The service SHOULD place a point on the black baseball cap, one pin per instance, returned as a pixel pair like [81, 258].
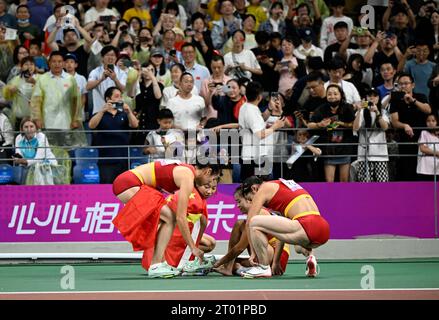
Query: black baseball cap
[71, 56]
[306, 34]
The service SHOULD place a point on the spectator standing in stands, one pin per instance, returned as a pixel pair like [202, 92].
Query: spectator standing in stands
[267, 58]
[200, 36]
[171, 91]
[287, 68]
[217, 78]
[225, 27]
[100, 10]
[139, 11]
[40, 11]
[372, 122]
[388, 53]
[6, 137]
[341, 31]
[307, 48]
[199, 72]
[241, 63]
[256, 9]
[18, 54]
[56, 104]
[19, 91]
[387, 71]
[336, 70]
[188, 109]
[71, 43]
[420, 68]
[402, 23]
[105, 76]
[275, 22]
[315, 85]
[26, 30]
[408, 110]
[71, 63]
[111, 117]
[147, 102]
[327, 36]
[256, 138]
[335, 114]
[428, 155]
[6, 19]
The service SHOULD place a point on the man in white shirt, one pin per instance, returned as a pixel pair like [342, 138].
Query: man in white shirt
[105, 76]
[256, 139]
[336, 71]
[100, 10]
[327, 36]
[188, 109]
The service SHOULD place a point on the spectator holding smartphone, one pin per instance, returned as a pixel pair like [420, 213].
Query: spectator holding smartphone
[19, 91]
[116, 116]
[105, 76]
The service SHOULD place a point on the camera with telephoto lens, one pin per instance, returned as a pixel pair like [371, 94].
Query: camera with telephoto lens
[118, 106]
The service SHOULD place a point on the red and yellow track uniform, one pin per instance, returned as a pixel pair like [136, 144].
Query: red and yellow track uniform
[138, 220]
[289, 193]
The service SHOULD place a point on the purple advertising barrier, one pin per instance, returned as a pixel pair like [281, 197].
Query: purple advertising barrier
[75, 213]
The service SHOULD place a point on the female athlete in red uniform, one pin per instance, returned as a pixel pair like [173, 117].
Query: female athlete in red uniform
[230, 264]
[140, 189]
[305, 228]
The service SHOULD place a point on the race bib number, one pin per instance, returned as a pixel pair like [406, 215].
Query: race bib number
[167, 162]
[291, 184]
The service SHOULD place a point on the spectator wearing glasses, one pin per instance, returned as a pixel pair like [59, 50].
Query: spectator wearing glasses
[408, 110]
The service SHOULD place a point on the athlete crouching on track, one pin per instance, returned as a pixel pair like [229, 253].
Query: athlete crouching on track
[230, 264]
[141, 188]
[304, 227]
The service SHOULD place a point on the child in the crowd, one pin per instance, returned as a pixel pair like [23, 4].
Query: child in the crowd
[40, 60]
[428, 159]
[306, 168]
[163, 142]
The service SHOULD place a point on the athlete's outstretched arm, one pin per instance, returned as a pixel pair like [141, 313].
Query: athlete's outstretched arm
[186, 187]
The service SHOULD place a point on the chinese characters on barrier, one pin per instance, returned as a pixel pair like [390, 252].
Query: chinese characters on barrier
[67, 219]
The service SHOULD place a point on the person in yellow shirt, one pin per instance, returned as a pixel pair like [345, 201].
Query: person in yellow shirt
[140, 12]
[255, 8]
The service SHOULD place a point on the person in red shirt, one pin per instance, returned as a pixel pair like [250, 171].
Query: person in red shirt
[305, 228]
[174, 249]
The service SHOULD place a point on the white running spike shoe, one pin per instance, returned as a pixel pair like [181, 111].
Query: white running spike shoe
[162, 270]
[259, 271]
[312, 269]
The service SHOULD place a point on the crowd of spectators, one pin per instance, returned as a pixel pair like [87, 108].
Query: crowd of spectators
[152, 73]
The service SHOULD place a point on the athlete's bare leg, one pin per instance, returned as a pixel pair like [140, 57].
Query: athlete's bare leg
[227, 268]
[127, 194]
[207, 243]
[164, 233]
[289, 231]
[263, 250]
